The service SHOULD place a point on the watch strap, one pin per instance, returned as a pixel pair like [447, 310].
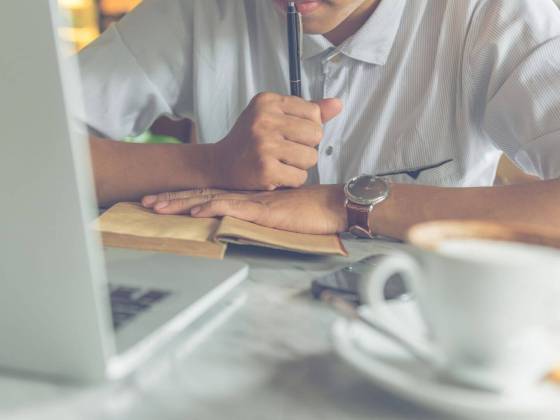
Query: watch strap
[358, 220]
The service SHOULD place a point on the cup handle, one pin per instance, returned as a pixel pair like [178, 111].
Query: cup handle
[372, 292]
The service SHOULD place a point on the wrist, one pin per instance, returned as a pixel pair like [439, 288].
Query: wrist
[337, 204]
[363, 194]
[390, 218]
[205, 158]
[214, 165]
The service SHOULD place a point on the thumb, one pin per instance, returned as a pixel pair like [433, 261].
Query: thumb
[330, 108]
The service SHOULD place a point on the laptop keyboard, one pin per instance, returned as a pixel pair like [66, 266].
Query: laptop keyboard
[128, 302]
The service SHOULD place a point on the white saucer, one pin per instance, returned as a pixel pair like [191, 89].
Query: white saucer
[394, 370]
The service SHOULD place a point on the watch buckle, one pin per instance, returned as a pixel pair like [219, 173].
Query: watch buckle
[360, 232]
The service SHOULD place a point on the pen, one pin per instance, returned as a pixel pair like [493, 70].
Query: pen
[294, 49]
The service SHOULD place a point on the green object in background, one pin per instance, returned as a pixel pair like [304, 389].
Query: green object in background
[149, 137]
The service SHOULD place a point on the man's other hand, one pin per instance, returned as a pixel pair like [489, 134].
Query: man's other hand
[317, 209]
[273, 143]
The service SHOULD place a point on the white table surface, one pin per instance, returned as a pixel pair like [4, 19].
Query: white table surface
[272, 359]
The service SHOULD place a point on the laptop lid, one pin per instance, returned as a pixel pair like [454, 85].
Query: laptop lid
[54, 316]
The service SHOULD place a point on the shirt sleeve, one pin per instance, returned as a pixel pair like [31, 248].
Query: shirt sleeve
[139, 70]
[514, 66]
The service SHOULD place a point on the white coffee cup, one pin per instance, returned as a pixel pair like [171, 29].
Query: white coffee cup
[492, 309]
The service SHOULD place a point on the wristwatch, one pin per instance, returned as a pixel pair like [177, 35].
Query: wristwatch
[363, 193]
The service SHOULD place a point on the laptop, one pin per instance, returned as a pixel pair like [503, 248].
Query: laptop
[68, 309]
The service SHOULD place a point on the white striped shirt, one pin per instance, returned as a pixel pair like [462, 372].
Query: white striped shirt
[433, 90]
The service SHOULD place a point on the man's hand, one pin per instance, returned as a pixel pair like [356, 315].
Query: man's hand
[317, 209]
[273, 143]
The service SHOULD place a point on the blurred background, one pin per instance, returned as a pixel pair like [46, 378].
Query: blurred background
[88, 18]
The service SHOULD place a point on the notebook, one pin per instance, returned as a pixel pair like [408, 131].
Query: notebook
[129, 225]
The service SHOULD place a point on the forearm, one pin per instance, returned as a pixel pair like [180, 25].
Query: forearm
[536, 203]
[320, 209]
[126, 171]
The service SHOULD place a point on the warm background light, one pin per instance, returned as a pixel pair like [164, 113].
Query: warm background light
[82, 22]
[87, 18]
[116, 7]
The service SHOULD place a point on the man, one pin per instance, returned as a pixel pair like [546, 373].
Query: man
[429, 94]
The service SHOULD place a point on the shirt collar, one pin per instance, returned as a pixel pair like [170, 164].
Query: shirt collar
[373, 41]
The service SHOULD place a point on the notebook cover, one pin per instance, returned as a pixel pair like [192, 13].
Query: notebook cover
[129, 225]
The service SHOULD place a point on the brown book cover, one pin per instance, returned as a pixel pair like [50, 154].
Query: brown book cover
[129, 225]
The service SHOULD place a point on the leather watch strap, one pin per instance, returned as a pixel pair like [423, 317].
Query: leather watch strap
[358, 219]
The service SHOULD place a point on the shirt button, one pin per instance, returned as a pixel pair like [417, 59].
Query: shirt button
[329, 150]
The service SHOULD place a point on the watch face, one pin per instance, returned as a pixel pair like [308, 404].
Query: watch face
[366, 190]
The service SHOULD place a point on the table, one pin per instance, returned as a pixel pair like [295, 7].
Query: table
[272, 359]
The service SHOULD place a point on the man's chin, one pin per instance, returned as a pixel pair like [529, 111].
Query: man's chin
[313, 23]
[311, 31]
[314, 28]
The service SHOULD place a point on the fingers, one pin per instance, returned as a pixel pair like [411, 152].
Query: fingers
[302, 131]
[150, 201]
[290, 176]
[298, 156]
[250, 211]
[330, 108]
[215, 205]
[185, 205]
[300, 108]
[320, 111]
[303, 119]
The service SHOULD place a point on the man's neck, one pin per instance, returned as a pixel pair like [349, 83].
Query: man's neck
[352, 23]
